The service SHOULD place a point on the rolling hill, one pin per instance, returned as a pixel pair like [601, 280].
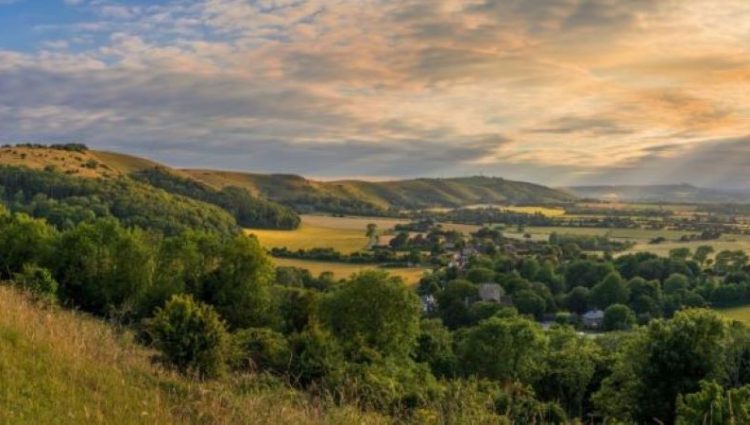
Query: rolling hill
[358, 196]
[267, 191]
[674, 193]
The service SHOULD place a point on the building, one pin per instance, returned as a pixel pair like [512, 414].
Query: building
[493, 292]
[429, 304]
[593, 319]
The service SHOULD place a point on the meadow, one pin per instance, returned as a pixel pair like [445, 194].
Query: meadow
[60, 366]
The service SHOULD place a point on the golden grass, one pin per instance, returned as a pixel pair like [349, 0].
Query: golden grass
[410, 276]
[60, 367]
[740, 314]
[309, 236]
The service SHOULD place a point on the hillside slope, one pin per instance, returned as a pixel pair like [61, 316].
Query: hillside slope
[675, 193]
[357, 196]
[53, 182]
[60, 367]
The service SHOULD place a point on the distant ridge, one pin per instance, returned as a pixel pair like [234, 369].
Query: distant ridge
[367, 197]
[670, 193]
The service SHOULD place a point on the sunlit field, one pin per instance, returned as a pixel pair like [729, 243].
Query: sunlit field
[740, 314]
[343, 270]
[309, 236]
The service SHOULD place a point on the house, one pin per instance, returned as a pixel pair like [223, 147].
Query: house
[593, 319]
[493, 292]
[429, 303]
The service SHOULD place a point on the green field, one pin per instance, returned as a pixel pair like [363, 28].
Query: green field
[343, 270]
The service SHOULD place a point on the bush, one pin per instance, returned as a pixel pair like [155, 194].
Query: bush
[38, 281]
[618, 317]
[191, 336]
[261, 349]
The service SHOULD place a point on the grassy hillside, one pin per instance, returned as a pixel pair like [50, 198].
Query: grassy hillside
[60, 367]
[679, 193]
[54, 182]
[356, 196]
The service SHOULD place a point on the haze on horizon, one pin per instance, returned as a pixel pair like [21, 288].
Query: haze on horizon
[559, 92]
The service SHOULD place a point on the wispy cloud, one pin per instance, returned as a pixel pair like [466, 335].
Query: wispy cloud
[557, 91]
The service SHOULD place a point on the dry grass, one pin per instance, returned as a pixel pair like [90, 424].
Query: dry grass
[60, 367]
[109, 164]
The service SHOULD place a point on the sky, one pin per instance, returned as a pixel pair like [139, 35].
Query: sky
[558, 92]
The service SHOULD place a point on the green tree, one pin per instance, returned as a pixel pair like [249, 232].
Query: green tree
[570, 365]
[714, 405]
[701, 253]
[577, 300]
[240, 288]
[503, 349]
[618, 317]
[528, 302]
[23, 240]
[668, 358]
[103, 267]
[373, 313]
[612, 290]
[454, 302]
[191, 336]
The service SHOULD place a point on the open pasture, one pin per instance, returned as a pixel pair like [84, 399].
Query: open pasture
[343, 270]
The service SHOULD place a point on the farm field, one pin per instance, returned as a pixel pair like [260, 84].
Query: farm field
[313, 236]
[343, 270]
[740, 314]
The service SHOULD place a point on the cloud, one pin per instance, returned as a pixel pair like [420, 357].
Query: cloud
[553, 91]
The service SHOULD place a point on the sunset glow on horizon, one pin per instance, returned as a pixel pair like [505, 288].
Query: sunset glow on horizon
[558, 92]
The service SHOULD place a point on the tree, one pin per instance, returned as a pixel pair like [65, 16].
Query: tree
[680, 253]
[373, 314]
[103, 267]
[435, 347]
[668, 358]
[191, 336]
[618, 317]
[612, 290]
[676, 284]
[528, 302]
[577, 300]
[714, 405]
[701, 253]
[570, 365]
[503, 349]
[23, 240]
[371, 231]
[454, 302]
[240, 287]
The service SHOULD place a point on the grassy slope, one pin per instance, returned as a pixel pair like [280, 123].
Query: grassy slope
[59, 367]
[422, 193]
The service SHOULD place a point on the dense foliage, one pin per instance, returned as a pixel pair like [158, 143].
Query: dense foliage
[65, 201]
[248, 210]
[212, 303]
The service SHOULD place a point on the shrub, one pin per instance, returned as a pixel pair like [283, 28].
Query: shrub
[261, 349]
[191, 336]
[38, 281]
